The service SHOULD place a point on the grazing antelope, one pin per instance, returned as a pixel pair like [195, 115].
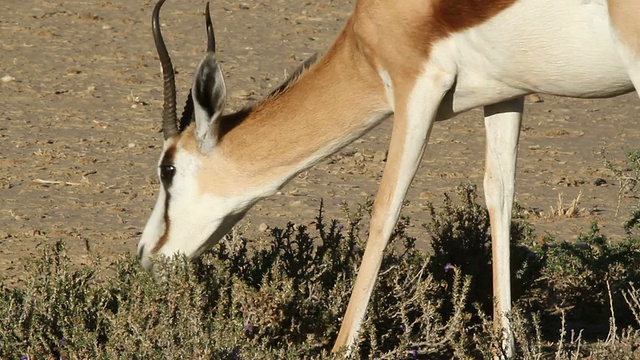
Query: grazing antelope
[420, 61]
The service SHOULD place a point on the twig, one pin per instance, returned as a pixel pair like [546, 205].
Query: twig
[563, 331]
[612, 336]
[633, 302]
[55, 182]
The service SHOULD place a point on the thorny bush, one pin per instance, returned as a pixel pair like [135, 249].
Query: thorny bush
[283, 298]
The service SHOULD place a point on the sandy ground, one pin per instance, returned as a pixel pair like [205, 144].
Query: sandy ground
[80, 117]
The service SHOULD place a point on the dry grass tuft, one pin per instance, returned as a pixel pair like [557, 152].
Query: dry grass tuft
[571, 211]
[285, 299]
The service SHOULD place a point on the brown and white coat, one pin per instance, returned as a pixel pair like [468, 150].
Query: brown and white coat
[418, 60]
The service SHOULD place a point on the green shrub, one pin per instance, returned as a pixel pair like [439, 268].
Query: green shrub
[581, 277]
[461, 238]
[284, 298]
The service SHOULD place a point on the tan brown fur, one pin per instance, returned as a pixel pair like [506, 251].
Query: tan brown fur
[290, 126]
[384, 47]
[420, 24]
[295, 76]
[625, 17]
[397, 37]
[266, 139]
[384, 24]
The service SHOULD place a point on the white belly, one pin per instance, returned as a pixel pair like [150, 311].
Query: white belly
[559, 47]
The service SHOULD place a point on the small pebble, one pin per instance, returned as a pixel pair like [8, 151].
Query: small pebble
[600, 182]
[379, 156]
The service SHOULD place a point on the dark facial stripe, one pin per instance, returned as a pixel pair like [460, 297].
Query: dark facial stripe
[167, 222]
[169, 155]
[167, 159]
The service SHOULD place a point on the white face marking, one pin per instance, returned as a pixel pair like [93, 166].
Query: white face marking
[196, 220]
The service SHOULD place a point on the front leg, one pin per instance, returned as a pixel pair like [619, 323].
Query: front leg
[417, 101]
[502, 123]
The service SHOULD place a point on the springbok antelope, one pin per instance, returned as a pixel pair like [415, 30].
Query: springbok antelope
[420, 61]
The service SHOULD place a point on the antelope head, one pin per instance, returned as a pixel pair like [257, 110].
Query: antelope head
[202, 192]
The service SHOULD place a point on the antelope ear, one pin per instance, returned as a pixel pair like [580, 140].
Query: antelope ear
[209, 97]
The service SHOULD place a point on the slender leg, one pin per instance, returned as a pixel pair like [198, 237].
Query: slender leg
[634, 73]
[632, 62]
[625, 22]
[502, 123]
[415, 111]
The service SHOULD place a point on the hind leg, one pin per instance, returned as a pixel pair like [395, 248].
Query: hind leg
[502, 123]
[625, 21]
[634, 73]
[633, 68]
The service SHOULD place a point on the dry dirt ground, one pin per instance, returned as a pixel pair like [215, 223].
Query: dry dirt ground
[80, 108]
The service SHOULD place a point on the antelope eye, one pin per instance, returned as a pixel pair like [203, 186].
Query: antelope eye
[166, 174]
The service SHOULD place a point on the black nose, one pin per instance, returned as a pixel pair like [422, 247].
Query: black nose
[141, 251]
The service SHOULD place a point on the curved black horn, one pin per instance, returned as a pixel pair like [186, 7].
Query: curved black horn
[211, 38]
[169, 119]
[187, 113]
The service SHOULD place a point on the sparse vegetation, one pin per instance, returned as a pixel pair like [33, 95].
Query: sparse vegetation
[560, 210]
[569, 211]
[626, 174]
[284, 299]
